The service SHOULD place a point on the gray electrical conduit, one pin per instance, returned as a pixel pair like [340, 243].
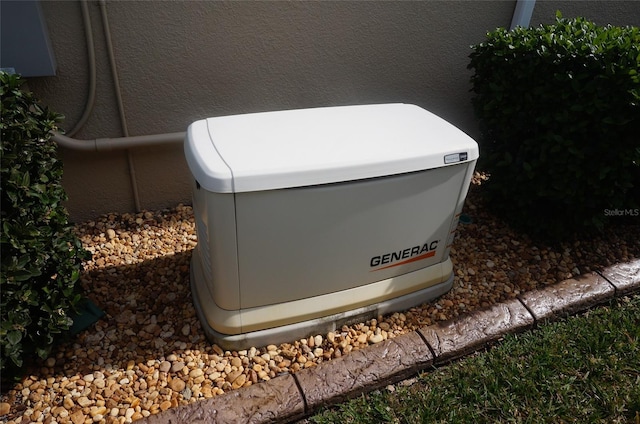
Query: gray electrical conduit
[91, 56]
[522, 13]
[103, 144]
[118, 92]
[114, 69]
[106, 144]
[118, 143]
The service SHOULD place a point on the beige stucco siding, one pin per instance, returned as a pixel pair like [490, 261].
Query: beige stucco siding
[182, 61]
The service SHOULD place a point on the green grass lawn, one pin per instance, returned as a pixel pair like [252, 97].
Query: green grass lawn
[584, 369]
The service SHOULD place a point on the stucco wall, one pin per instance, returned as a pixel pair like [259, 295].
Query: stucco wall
[620, 13]
[182, 61]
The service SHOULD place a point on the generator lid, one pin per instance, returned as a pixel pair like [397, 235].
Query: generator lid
[295, 148]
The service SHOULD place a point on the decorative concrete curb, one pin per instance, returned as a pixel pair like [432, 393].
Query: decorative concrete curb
[294, 396]
[455, 338]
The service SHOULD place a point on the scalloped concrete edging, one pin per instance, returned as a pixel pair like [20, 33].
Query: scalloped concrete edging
[293, 396]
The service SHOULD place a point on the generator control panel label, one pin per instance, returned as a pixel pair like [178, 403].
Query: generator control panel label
[456, 157]
[405, 256]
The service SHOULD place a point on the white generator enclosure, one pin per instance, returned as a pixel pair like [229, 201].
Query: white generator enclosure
[309, 219]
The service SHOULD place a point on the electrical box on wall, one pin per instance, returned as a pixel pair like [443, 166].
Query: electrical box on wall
[25, 47]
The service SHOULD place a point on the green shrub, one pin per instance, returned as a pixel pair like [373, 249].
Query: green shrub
[41, 256]
[559, 112]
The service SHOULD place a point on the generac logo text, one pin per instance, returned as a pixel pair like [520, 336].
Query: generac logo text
[403, 257]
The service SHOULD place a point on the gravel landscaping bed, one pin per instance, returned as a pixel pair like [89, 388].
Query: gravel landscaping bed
[149, 352]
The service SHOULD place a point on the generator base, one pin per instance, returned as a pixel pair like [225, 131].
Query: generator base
[322, 325]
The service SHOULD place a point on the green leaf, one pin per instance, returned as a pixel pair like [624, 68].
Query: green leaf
[36, 238]
[14, 337]
[558, 109]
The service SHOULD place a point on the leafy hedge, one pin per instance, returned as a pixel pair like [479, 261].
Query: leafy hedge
[41, 256]
[559, 110]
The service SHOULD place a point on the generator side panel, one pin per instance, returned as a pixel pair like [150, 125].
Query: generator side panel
[310, 241]
[464, 189]
[217, 248]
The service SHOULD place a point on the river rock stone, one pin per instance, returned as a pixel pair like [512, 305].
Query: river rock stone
[177, 385]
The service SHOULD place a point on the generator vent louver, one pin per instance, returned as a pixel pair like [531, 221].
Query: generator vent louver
[203, 246]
